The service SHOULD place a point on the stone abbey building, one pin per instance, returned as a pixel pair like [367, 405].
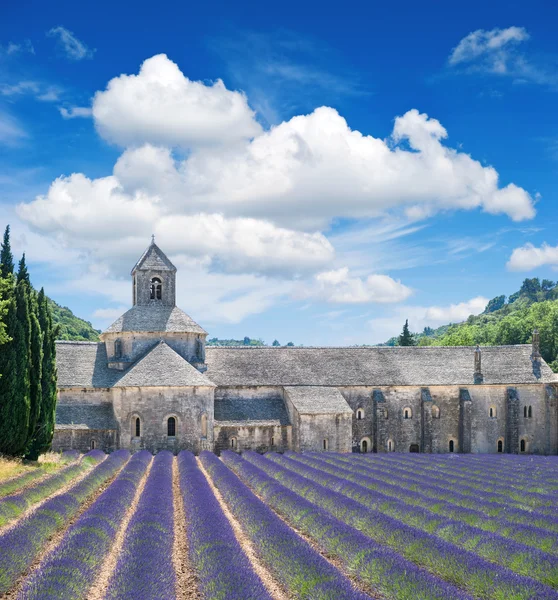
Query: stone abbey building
[152, 383]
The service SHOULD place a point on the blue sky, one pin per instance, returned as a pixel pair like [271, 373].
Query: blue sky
[318, 172]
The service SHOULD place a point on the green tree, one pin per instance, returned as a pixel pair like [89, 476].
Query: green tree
[275, 343]
[290, 344]
[495, 304]
[6, 257]
[44, 428]
[547, 285]
[246, 341]
[406, 338]
[35, 366]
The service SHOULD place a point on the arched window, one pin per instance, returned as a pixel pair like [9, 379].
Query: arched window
[522, 446]
[171, 427]
[93, 444]
[492, 412]
[204, 425]
[233, 443]
[365, 445]
[500, 446]
[360, 414]
[272, 441]
[451, 445]
[435, 412]
[524, 412]
[407, 413]
[325, 444]
[156, 288]
[390, 446]
[136, 423]
[117, 348]
[530, 413]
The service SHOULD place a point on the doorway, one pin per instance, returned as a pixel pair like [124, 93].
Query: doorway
[414, 448]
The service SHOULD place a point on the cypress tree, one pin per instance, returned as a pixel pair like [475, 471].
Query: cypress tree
[6, 257]
[8, 369]
[406, 338]
[44, 428]
[35, 366]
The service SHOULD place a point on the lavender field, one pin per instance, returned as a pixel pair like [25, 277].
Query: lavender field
[312, 525]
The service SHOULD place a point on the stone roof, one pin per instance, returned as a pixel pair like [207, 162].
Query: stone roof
[153, 259]
[85, 416]
[317, 400]
[155, 318]
[372, 366]
[84, 365]
[162, 366]
[254, 411]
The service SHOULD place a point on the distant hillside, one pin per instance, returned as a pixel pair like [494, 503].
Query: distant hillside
[505, 321]
[70, 326]
[247, 341]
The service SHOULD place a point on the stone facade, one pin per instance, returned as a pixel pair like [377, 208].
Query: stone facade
[151, 383]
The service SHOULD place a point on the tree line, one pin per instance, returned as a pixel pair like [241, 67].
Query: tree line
[27, 361]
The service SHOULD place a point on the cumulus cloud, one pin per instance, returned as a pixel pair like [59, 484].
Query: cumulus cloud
[338, 286]
[73, 48]
[162, 106]
[530, 257]
[74, 112]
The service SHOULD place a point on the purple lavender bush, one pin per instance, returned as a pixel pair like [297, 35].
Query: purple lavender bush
[144, 570]
[223, 568]
[300, 569]
[70, 570]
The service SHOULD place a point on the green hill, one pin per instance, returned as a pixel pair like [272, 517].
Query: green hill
[505, 321]
[70, 326]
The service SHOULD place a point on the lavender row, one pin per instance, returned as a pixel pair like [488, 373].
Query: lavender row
[503, 489]
[375, 565]
[70, 570]
[13, 506]
[429, 488]
[20, 546]
[302, 570]
[16, 483]
[515, 556]
[144, 570]
[223, 568]
[500, 493]
[537, 537]
[465, 569]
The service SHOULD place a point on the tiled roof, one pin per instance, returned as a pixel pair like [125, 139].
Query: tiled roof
[162, 366]
[372, 366]
[85, 416]
[317, 400]
[154, 259]
[265, 410]
[84, 365]
[154, 318]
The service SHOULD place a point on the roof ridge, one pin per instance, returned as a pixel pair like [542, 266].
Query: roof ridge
[81, 342]
[387, 348]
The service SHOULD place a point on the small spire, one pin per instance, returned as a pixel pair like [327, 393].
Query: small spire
[152, 238]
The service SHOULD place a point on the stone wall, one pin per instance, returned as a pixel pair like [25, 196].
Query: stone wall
[260, 438]
[81, 439]
[154, 406]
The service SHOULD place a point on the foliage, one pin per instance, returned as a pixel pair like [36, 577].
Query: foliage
[232, 342]
[69, 326]
[495, 304]
[276, 343]
[406, 338]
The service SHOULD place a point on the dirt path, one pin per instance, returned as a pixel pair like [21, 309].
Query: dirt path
[99, 587]
[53, 542]
[271, 584]
[357, 583]
[38, 505]
[186, 578]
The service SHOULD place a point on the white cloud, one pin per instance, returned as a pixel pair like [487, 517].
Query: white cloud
[109, 313]
[496, 52]
[530, 257]
[42, 92]
[162, 106]
[424, 316]
[491, 44]
[73, 112]
[339, 287]
[11, 132]
[74, 48]
[13, 48]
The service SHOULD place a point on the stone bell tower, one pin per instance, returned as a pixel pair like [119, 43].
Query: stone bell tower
[154, 279]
